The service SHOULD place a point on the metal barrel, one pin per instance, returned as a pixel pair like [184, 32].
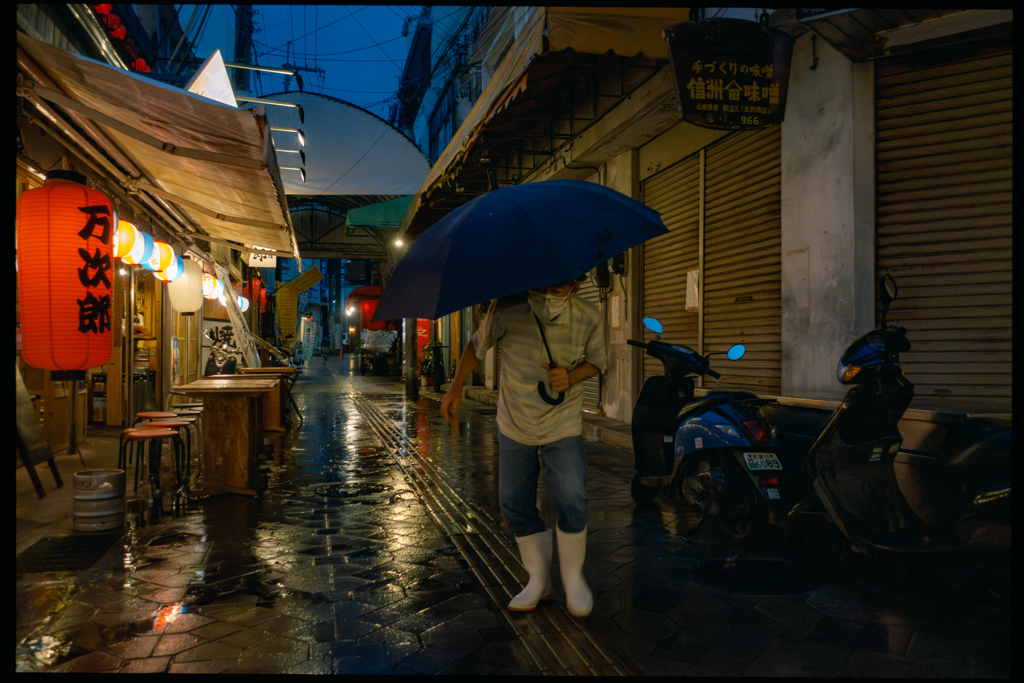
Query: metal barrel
[98, 500]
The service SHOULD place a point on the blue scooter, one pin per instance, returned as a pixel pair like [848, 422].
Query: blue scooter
[716, 451]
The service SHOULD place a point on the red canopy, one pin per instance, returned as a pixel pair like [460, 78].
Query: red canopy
[367, 297]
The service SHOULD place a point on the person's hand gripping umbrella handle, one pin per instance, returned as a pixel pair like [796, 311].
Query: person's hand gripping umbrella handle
[550, 365]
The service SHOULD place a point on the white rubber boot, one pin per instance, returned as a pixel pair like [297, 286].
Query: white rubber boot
[572, 549]
[535, 550]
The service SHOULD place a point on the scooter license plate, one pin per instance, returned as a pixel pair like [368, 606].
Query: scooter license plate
[762, 461]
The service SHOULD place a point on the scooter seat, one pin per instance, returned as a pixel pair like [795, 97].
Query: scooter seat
[713, 400]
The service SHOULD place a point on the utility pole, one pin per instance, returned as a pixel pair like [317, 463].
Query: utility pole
[298, 79]
[243, 46]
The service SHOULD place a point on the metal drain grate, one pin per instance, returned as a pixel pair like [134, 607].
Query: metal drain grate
[65, 553]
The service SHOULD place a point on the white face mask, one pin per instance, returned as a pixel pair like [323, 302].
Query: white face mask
[548, 306]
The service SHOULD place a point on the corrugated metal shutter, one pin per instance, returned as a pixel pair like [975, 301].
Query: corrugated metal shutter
[742, 258]
[675, 194]
[944, 162]
[592, 387]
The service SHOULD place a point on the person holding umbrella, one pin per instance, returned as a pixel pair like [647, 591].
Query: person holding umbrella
[535, 239]
[547, 337]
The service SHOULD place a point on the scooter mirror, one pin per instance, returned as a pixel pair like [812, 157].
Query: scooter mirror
[653, 325]
[736, 352]
[889, 288]
[887, 294]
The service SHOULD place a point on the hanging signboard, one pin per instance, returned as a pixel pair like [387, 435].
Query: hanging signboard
[261, 260]
[287, 302]
[220, 332]
[730, 74]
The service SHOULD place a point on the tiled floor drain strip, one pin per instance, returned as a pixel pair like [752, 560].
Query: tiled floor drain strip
[557, 643]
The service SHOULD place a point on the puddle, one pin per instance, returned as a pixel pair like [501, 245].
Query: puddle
[342, 491]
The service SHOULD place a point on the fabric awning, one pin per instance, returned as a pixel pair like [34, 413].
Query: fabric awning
[380, 215]
[625, 31]
[216, 162]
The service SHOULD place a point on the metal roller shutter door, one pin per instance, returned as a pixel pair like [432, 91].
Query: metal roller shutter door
[944, 163]
[675, 194]
[742, 258]
[592, 387]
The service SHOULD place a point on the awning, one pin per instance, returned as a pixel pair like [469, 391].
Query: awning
[563, 39]
[217, 163]
[381, 215]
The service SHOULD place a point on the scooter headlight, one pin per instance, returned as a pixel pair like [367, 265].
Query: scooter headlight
[847, 373]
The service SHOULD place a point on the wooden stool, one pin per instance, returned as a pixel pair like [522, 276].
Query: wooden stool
[197, 415]
[179, 424]
[152, 415]
[153, 438]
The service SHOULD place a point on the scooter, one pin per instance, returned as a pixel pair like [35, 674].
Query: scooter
[715, 451]
[881, 498]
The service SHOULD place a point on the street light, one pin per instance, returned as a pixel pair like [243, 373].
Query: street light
[398, 243]
[302, 136]
[294, 151]
[301, 171]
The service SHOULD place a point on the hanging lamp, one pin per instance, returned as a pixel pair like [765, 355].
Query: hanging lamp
[160, 258]
[64, 271]
[186, 292]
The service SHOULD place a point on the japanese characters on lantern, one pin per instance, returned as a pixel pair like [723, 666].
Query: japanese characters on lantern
[65, 258]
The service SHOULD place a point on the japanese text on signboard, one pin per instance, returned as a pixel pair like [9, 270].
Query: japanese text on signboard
[94, 311]
[730, 74]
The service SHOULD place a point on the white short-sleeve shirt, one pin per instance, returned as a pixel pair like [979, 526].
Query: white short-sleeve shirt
[574, 336]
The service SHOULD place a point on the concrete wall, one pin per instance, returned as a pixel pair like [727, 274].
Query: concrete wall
[827, 215]
[617, 390]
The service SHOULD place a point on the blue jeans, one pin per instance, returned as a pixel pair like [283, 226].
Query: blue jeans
[519, 469]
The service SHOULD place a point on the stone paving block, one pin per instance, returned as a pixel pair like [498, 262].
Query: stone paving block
[88, 663]
[217, 629]
[218, 650]
[351, 629]
[353, 666]
[457, 605]
[348, 609]
[251, 616]
[313, 666]
[183, 623]
[133, 647]
[149, 665]
[175, 643]
[72, 615]
[246, 638]
[281, 625]
[209, 666]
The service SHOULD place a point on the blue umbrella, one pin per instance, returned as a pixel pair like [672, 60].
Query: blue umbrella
[513, 239]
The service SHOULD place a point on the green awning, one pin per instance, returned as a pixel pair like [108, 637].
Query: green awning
[381, 215]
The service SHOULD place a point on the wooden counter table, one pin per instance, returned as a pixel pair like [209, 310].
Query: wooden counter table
[288, 375]
[274, 402]
[232, 417]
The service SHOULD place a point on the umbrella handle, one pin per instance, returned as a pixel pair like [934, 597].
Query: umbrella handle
[547, 398]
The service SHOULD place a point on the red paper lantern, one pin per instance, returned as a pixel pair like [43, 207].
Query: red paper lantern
[65, 273]
[103, 9]
[119, 33]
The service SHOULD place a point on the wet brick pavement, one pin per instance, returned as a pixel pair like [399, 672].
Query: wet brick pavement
[378, 547]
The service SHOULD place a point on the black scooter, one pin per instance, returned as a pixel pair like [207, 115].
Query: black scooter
[881, 498]
[715, 451]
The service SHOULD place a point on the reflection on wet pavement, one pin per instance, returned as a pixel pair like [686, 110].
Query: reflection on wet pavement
[378, 547]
